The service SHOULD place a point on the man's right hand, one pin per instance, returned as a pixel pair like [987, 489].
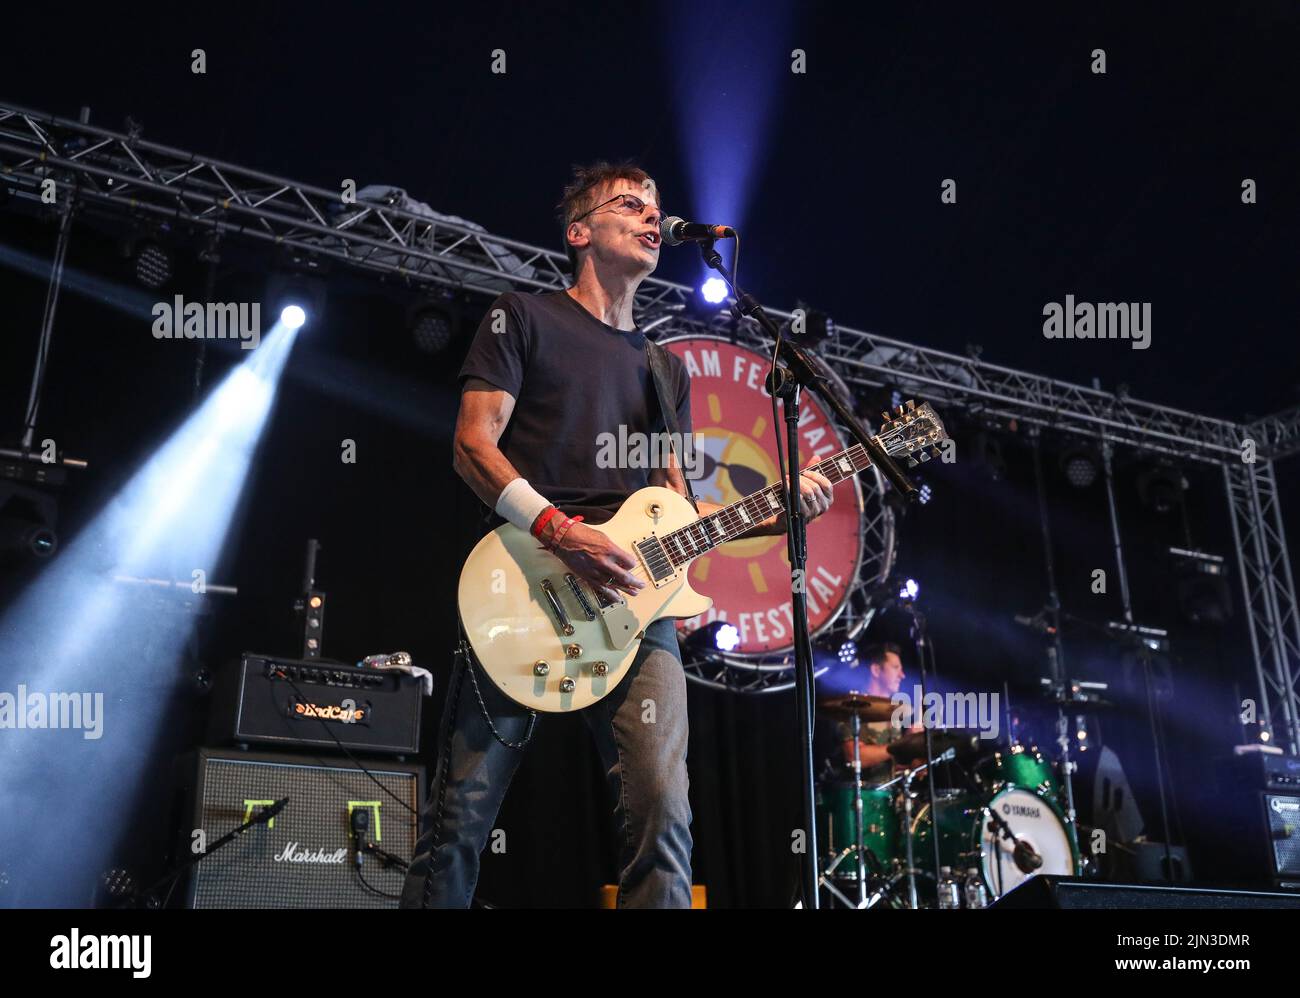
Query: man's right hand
[598, 560]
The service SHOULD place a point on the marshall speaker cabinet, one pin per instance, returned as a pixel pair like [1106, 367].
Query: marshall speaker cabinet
[305, 856]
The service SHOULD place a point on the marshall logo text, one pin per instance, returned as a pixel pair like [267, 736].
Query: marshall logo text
[292, 854]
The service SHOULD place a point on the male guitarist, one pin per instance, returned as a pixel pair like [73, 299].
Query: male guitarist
[545, 376]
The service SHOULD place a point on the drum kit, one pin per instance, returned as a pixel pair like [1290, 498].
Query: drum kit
[1000, 811]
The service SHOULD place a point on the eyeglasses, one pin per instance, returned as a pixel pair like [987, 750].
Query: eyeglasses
[630, 202]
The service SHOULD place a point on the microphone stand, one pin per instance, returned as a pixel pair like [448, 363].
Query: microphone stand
[786, 382]
[922, 646]
[262, 816]
[998, 826]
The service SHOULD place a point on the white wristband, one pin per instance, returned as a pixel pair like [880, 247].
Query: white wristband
[521, 504]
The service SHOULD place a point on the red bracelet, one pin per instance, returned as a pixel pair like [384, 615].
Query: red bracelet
[564, 529]
[542, 520]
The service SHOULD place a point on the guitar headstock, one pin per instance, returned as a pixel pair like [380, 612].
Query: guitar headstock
[912, 430]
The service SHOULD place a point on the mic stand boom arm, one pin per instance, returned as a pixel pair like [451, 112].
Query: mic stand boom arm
[808, 376]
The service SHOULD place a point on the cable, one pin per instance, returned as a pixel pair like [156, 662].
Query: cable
[375, 890]
[325, 724]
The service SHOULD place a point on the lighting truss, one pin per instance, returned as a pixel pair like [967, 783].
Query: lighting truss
[123, 173]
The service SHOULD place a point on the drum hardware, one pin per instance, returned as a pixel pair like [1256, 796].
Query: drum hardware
[1007, 823]
[874, 708]
[1009, 837]
[908, 777]
[870, 870]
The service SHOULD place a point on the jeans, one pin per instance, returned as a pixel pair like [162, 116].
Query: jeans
[640, 730]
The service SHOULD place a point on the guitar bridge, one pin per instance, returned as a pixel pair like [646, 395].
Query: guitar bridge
[580, 595]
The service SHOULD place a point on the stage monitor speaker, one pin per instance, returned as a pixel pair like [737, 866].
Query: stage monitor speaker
[1071, 892]
[305, 857]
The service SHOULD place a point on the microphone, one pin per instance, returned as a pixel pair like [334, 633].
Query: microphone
[676, 231]
[266, 813]
[1027, 859]
[360, 825]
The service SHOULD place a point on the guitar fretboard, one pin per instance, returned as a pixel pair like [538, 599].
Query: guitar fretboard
[728, 523]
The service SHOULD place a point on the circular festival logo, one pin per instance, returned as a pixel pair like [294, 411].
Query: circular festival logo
[749, 580]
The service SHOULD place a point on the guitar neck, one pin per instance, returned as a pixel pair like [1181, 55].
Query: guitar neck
[706, 533]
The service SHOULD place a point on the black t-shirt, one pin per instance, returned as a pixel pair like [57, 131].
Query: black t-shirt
[580, 388]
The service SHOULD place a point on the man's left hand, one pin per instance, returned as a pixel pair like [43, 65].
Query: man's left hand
[815, 494]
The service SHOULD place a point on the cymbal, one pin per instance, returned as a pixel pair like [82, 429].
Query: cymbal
[868, 708]
[912, 745]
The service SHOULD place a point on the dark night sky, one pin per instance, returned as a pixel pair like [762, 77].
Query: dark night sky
[1117, 187]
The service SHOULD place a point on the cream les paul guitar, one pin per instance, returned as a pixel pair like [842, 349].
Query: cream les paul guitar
[553, 643]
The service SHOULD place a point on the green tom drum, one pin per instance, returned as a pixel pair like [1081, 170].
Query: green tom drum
[880, 831]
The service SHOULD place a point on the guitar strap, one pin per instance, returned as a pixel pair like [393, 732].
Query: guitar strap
[657, 357]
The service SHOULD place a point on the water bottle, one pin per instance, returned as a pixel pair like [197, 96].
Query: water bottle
[975, 895]
[949, 891]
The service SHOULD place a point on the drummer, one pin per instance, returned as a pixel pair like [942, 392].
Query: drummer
[877, 672]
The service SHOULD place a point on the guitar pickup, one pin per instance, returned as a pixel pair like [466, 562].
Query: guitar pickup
[656, 560]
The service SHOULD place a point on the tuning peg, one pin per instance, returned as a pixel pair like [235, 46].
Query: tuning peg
[900, 409]
[923, 456]
[911, 462]
[885, 417]
[911, 405]
[936, 452]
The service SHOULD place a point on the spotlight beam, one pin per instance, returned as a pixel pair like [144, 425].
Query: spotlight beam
[79, 638]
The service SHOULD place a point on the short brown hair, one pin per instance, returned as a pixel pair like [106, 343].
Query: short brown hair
[876, 654]
[584, 187]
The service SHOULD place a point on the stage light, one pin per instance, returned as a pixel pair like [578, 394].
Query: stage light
[848, 652]
[909, 590]
[295, 294]
[431, 329]
[716, 636]
[1080, 465]
[153, 265]
[714, 290]
[726, 637]
[1202, 586]
[1161, 486]
[24, 539]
